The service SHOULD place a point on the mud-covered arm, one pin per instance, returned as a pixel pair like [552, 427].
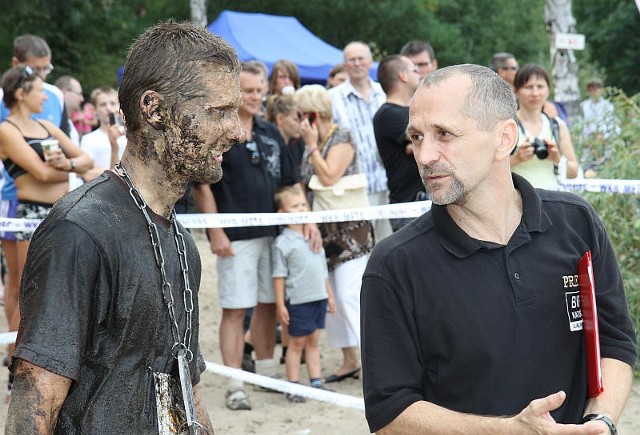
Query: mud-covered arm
[202, 416]
[36, 398]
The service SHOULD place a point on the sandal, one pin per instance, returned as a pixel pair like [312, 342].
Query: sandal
[294, 398]
[237, 401]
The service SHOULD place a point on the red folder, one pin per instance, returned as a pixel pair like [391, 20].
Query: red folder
[590, 325]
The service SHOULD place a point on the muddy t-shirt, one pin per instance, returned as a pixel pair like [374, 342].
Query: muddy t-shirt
[93, 311]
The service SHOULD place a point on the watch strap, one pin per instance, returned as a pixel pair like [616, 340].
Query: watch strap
[603, 418]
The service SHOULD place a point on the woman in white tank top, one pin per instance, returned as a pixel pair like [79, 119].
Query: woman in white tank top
[536, 132]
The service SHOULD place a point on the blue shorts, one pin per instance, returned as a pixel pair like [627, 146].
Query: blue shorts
[8, 209]
[304, 319]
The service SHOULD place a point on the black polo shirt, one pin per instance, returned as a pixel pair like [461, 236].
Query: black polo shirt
[483, 328]
[248, 184]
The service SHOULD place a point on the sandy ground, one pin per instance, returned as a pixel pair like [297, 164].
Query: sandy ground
[272, 414]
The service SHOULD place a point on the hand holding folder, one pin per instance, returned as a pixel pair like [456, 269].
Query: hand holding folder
[590, 325]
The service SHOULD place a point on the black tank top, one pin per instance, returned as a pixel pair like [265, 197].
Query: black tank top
[36, 143]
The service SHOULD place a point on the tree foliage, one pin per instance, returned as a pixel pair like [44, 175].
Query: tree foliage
[611, 29]
[619, 212]
[89, 38]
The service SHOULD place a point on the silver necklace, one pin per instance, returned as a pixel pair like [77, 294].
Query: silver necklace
[181, 347]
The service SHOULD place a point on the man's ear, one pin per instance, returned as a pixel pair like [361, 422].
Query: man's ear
[507, 137]
[150, 102]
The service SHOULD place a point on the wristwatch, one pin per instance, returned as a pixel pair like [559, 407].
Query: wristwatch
[73, 165]
[604, 418]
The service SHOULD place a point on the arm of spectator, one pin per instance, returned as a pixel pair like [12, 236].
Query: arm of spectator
[331, 169]
[114, 132]
[206, 202]
[82, 162]
[14, 147]
[567, 150]
[36, 398]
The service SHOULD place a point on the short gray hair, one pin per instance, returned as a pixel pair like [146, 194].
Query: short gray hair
[490, 99]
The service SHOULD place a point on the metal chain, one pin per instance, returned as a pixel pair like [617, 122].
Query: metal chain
[183, 342]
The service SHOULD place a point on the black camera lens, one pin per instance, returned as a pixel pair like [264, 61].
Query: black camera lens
[540, 148]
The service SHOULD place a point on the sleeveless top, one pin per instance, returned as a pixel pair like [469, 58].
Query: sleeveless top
[35, 143]
[540, 173]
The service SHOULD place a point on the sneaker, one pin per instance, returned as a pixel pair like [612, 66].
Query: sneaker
[237, 400]
[294, 398]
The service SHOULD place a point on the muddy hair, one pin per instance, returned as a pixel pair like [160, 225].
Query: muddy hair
[16, 78]
[171, 59]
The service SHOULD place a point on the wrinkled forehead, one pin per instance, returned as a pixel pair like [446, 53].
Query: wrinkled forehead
[446, 91]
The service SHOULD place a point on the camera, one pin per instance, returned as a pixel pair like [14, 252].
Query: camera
[112, 118]
[540, 148]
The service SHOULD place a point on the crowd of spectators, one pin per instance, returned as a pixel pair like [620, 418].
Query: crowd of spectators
[352, 125]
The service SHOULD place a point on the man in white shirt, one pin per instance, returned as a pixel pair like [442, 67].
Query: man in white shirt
[106, 144]
[354, 104]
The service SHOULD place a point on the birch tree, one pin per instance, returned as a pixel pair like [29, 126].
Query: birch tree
[559, 18]
[198, 12]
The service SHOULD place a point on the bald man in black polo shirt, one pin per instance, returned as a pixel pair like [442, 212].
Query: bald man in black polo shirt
[466, 310]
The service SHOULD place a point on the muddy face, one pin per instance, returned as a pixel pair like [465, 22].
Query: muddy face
[202, 129]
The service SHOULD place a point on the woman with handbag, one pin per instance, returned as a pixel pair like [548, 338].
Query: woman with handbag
[330, 171]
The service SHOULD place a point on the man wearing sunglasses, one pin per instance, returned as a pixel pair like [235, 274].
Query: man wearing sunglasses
[506, 66]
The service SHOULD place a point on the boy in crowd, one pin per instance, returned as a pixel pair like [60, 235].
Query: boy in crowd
[303, 292]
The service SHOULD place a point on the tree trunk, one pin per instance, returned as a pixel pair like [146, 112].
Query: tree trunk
[198, 12]
[559, 18]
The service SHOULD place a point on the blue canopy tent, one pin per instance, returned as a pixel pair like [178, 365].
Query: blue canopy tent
[269, 38]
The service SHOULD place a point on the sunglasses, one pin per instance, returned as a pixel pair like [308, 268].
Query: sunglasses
[510, 68]
[27, 73]
[252, 148]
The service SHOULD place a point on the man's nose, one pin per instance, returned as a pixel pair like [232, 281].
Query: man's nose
[427, 153]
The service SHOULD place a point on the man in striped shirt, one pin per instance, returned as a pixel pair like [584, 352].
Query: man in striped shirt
[354, 104]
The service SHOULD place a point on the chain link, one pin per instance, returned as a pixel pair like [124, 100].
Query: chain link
[183, 342]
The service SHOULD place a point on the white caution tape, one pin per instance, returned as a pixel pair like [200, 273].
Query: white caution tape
[230, 220]
[389, 211]
[8, 337]
[628, 187]
[339, 399]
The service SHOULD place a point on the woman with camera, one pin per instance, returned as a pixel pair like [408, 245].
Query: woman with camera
[544, 147]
